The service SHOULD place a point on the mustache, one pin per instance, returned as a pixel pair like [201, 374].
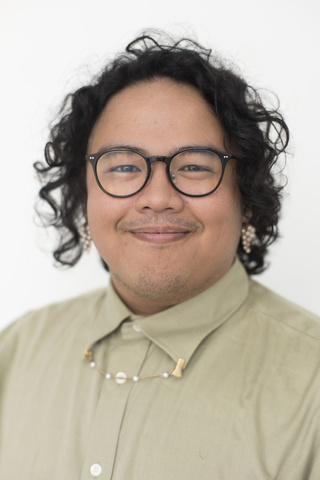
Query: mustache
[156, 221]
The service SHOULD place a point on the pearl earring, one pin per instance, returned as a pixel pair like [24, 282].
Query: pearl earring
[248, 234]
[85, 236]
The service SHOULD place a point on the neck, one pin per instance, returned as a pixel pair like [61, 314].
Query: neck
[141, 304]
[153, 298]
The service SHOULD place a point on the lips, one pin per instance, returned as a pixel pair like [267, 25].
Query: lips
[159, 235]
[164, 230]
[159, 229]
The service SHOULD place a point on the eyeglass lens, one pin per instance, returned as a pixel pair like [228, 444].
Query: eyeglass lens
[194, 172]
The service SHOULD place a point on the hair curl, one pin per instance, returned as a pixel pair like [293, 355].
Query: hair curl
[255, 134]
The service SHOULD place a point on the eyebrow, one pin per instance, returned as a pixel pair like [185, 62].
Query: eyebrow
[144, 152]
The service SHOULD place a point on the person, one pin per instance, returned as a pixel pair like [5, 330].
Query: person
[185, 366]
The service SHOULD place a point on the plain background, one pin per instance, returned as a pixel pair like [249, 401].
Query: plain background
[48, 49]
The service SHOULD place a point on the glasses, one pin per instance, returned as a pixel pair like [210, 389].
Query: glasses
[123, 172]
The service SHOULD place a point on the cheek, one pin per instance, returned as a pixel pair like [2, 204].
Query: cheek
[222, 215]
[101, 215]
[98, 203]
[104, 213]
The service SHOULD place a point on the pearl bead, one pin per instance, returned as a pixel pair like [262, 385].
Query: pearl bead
[135, 378]
[108, 376]
[165, 375]
[92, 364]
[121, 378]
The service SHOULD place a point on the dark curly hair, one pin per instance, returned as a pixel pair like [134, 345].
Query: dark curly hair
[255, 134]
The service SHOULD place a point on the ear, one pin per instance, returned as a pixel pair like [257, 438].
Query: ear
[246, 215]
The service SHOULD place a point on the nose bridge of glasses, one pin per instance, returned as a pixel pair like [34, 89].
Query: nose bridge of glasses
[159, 158]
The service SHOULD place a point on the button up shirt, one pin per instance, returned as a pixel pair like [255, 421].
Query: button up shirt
[247, 406]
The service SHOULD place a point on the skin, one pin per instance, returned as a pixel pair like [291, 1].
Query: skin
[161, 246]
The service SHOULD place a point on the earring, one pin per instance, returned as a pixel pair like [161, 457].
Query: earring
[85, 236]
[248, 234]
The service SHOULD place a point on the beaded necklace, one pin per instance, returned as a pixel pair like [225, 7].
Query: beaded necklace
[121, 377]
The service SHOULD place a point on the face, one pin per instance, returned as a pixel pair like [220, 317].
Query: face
[161, 246]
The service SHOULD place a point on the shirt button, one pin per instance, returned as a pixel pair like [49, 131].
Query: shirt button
[121, 378]
[136, 327]
[95, 469]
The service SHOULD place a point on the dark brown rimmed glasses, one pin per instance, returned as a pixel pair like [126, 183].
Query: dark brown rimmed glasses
[123, 172]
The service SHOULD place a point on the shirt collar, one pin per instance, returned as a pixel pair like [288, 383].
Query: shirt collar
[179, 330]
[109, 316]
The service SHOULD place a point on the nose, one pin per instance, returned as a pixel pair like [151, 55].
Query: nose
[158, 194]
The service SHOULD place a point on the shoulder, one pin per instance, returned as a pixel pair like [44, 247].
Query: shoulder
[277, 310]
[278, 342]
[283, 333]
[53, 317]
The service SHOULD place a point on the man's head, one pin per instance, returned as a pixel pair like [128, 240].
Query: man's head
[182, 72]
[162, 245]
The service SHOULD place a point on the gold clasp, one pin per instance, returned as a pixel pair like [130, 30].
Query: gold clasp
[87, 353]
[177, 371]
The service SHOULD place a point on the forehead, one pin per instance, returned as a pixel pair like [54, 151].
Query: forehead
[151, 113]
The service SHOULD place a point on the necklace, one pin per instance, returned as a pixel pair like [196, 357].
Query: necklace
[121, 377]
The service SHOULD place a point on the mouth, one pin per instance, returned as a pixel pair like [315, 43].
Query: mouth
[159, 235]
[160, 231]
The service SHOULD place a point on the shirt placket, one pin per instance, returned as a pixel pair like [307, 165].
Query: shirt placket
[127, 357]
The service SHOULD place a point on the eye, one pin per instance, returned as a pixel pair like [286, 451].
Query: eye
[194, 168]
[125, 168]
[196, 164]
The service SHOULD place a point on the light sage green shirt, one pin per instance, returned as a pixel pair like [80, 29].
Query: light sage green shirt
[247, 406]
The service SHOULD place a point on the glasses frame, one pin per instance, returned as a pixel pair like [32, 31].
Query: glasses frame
[224, 158]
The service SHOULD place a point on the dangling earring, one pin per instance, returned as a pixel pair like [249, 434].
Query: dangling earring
[248, 234]
[85, 236]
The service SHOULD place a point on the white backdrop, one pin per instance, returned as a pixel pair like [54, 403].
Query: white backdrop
[49, 48]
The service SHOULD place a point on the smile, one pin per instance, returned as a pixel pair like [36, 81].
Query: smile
[159, 236]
